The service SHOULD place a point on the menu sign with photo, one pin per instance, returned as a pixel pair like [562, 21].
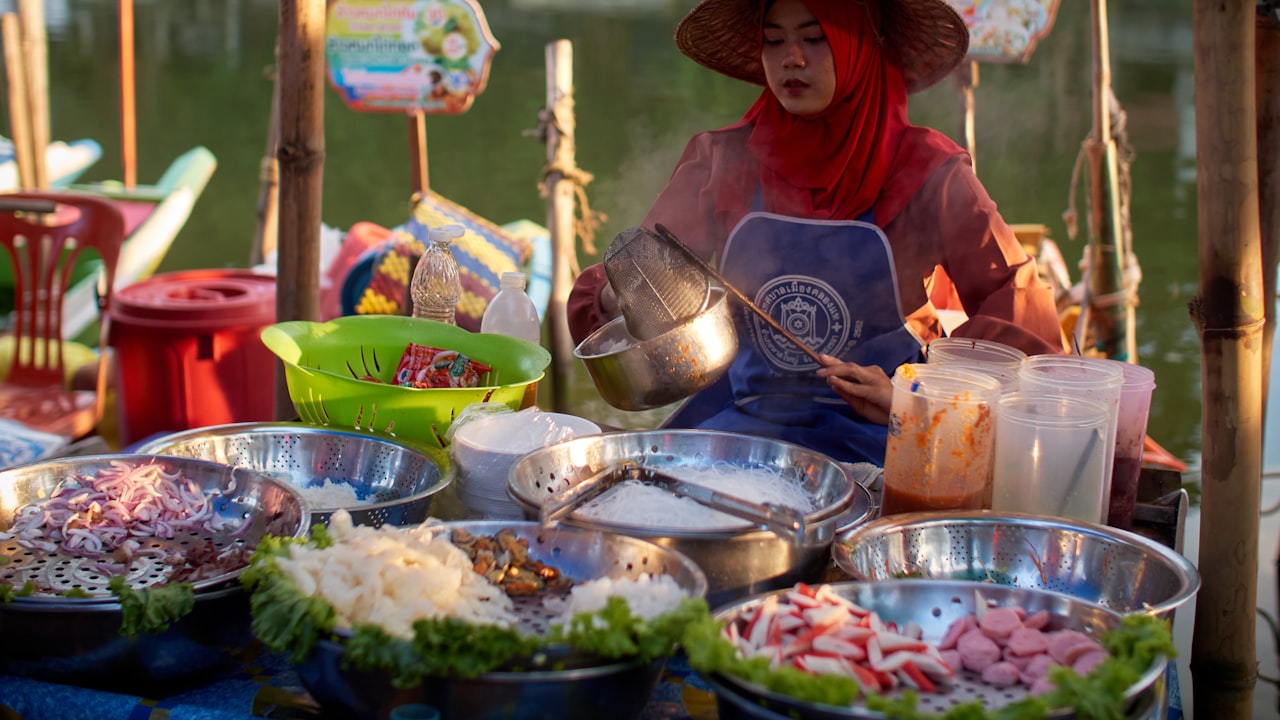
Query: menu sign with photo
[1005, 30]
[409, 56]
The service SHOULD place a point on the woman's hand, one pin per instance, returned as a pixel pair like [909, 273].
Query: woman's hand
[866, 388]
[609, 302]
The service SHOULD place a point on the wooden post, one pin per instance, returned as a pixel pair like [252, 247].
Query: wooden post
[966, 80]
[266, 230]
[418, 152]
[1112, 317]
[561, 197]
[1228, 312]
[19, 113]
[128, 104]
[35, 51]
[301, 155]
[1267, 63]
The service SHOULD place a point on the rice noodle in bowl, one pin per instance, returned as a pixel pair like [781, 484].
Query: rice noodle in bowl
[636, 503]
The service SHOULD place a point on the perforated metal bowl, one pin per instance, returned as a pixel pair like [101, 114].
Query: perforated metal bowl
[78, 640]
[1117, 569]
[738, 560]
[563, 684]
[249, 505]
[934, 605]
[395, 481]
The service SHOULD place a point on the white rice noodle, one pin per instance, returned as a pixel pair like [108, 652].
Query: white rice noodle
[648, 596]
[393, 577]
[332, 495]
[639, 504]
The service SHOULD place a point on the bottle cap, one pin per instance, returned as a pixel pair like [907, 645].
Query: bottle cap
[513, 280]
[446, 233]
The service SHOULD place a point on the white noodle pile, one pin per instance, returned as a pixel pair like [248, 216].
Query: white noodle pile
[636, 503]
[393, 577]
[332, 495]
[648, 597]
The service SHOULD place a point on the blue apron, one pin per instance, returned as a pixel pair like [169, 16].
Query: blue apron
[833, 285]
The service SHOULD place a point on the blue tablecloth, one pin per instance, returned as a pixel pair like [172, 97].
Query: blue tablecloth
[265, 686]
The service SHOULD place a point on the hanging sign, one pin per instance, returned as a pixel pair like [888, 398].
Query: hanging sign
[1005, 30]
[429, 56]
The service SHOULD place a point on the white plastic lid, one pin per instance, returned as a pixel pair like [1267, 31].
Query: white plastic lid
[513, 280]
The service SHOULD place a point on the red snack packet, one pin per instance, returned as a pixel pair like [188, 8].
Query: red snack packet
[423, 366]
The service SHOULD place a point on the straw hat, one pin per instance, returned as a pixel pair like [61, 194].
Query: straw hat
[928, 36]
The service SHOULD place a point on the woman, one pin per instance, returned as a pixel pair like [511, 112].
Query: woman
[833, 213]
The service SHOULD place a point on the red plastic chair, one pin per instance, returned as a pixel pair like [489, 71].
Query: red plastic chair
[43, 244]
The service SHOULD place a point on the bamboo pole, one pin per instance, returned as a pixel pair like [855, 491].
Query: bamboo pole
[35, 51]
[1110, 312]
[128, 102]
[561, 156]
[266, 231]
[1228, 313]
[1267, 64]
[966, 80]
[19, 113]
[301, 155]
[418, 176]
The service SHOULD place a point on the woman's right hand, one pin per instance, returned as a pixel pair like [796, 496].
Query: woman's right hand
[866, 388]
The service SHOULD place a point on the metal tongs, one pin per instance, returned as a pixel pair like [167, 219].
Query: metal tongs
[784, 521]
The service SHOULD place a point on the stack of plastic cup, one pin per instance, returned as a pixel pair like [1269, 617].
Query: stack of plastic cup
[1050, 455]
[1093, 379]
[1131, 434]
[941, 439]
[985, 352]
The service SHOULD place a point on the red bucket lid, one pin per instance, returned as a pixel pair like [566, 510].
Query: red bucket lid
[198, 299]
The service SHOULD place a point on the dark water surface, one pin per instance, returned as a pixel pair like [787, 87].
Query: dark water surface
[202, 81]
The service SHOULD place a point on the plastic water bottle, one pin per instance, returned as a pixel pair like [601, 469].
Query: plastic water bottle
[435, 288]
[511, 312]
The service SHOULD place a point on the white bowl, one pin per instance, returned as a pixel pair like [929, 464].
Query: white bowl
[485, 449]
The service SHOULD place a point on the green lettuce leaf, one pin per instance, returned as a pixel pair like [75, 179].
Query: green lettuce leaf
[152, 609]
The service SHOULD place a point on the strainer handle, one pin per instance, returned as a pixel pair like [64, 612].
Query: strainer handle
[667, 235]
[782, 520]
[561, 505]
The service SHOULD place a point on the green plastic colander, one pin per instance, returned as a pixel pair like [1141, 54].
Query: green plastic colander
[324, 361]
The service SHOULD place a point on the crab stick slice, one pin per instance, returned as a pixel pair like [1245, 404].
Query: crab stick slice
[825, 615]
[916, 678]
[838, 646]
[891, 642]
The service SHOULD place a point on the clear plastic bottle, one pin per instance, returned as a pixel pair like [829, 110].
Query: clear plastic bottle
[435, 288]
[511, 312]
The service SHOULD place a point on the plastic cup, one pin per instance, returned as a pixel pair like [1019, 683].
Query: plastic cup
[1131, 434]
[987, 352]
[941, 440]
[1093, 379]
[1050, 456]
[1006, 375]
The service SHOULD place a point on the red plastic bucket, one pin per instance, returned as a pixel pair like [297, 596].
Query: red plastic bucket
[188, 353]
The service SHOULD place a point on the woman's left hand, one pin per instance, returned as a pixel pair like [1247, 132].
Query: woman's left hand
[866, 388]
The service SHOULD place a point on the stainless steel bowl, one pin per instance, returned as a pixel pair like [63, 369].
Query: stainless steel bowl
[396, 481]
[631, 374]
[566, 686]
[934, 605]
[737, 561]
[252, 505]
[80, 643]
[78, 640]
[1117, 569]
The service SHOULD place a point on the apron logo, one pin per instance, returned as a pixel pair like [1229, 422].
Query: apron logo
[811, 310]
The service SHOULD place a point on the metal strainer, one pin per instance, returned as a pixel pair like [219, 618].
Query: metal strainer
[242, 508]
[657, 287]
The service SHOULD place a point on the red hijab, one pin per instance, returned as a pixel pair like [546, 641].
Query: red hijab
[835, 165]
